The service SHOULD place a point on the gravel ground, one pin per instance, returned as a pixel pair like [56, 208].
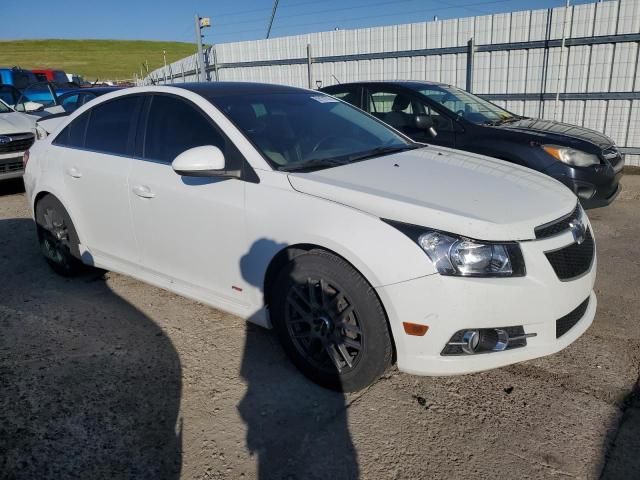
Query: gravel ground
[106, 377]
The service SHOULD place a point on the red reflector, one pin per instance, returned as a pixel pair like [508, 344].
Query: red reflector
[25, 159]
[415, 329]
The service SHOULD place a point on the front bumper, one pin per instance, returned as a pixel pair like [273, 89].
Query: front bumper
[596, 186]
[449, 304]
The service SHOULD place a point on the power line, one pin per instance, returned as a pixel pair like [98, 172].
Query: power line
[357, 19]
[273, 15]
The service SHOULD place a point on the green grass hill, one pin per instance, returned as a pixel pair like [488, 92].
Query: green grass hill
[103, 59]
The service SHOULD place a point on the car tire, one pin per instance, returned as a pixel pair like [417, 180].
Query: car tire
[331, 322]
[58, 238]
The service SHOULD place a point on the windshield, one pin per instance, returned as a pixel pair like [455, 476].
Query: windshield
[4, 108]
[466, 105]
[308, 129]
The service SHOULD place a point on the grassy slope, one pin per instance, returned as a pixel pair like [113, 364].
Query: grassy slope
[105, 59]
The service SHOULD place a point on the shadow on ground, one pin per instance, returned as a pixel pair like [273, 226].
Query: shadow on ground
[90, 386]
[622, 459]
[296, 429]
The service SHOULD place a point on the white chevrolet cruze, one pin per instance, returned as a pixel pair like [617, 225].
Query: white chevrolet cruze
[296, 210]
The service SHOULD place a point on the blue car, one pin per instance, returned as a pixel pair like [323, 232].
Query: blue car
[17, 77]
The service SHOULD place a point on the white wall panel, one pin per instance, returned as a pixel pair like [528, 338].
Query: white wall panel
[578, 68]
[434, 68]
[538, 25]
[573, 112]
[633, 137]
[606, 18]
[520, 24]
[517, 71]
[617, 117]
[624, 67]
[434, 34]
[450, 33]
[582, 20]
[629, 17]
[418, 36]
[534, 70]
[404, 37]
[600, 67]
[594, 114]
[560, 20]
[465, 30]
[483, 27]
[418, 68]
[499, 72]
[531, 108]
[461, 70]
[549, 110]
[501, 28]
[482, 72]
[448, 69]
[515, 106]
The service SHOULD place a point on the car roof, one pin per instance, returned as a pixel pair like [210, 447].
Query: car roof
[221, 89]
[96, 90]
[401, 83]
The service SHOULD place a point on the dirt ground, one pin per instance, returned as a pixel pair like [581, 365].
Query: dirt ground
[106, 377]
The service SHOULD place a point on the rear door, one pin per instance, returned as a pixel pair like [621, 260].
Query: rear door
[190, 230]
[96, 152]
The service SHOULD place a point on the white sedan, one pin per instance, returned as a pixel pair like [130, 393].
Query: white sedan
[299, 212]
[17, 133]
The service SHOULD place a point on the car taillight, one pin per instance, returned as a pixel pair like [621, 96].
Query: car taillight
[25, 159]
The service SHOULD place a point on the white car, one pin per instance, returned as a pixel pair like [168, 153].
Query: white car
[16, 136]
[298, 211]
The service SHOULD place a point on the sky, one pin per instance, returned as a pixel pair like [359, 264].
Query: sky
[231, 20]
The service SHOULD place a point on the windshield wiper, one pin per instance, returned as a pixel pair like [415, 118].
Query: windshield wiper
[503, 121]
[315, 164]
[380, 151]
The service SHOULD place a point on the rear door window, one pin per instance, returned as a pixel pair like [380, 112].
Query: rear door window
[110, 125]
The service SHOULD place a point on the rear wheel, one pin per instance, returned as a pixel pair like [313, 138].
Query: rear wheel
[331, 322]
[57, 237]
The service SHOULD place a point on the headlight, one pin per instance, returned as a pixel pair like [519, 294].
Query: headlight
[571, 156]
[455, 255]
[41, 133]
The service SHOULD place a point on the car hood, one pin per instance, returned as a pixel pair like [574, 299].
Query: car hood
[14, 122]
[459, 192]
[561, 131]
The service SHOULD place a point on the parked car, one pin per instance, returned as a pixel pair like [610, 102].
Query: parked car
[586, 161]
[17, 77]
[295, 210]
[57, 77]
[16, 136]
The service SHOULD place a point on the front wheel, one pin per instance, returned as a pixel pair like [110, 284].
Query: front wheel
[330, 322]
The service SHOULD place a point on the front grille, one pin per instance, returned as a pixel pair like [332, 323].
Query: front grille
[13, 165]
[566, 323]
[557, 226]
[18, 142]
[572, 261]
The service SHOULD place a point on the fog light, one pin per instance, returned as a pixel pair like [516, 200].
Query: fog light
[486, 340]
[470, 341]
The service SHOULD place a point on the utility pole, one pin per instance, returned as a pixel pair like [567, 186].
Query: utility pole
[164, 55]
[561, 62]
[201, 22]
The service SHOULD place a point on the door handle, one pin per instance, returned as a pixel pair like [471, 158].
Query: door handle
[143, 191]
[74, 172]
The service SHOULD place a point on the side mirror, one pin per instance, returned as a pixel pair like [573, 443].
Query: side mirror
[424, 122]
[205, 161]
[30, 107]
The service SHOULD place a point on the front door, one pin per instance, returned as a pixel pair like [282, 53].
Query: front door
[190, 230]
[398, 107]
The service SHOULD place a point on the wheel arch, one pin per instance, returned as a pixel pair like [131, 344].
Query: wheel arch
[288, 253]
[48, 192]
